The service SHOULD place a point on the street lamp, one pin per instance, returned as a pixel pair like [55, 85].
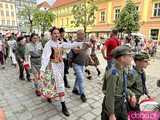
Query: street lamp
[45, 10]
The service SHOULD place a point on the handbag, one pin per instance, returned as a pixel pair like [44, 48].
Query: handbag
[26, 66]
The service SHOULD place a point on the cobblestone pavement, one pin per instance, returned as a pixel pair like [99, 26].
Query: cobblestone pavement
[20, 103]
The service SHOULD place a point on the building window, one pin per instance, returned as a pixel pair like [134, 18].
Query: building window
[137, 8]
[62, 22]
[2, 13]
[3, 22]
[6, 5]
[117, 13]
[12, 13]
[102, 16]
[13, 23]
[154, 34]
[11, 7]
[156, 11]
[1, 5]
[67, 21]
[7, 13]
[8, 22]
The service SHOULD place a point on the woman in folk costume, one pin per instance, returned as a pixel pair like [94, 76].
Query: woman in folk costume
[93, 55]
[33, 56]
[53, 52]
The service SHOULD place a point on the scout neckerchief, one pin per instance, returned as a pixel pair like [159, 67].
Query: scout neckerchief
[143, 78]
[125, 79]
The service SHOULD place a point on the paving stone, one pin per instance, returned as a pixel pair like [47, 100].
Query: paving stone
[57, 117]
[24, 116]
[97, 111]
[19, 101]
[89, 116]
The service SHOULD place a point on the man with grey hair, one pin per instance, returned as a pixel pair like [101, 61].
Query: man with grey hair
[79, 60]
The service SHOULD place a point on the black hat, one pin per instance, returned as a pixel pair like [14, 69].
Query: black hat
[20, 38]
[61, 30]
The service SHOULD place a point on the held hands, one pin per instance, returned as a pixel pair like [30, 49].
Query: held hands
[21, 60]
[133, 101]
[112, 117]
[41, 74]
[89, 44]
[105, 57]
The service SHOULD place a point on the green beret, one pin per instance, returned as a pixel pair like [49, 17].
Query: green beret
[141, 56]
[121, 51]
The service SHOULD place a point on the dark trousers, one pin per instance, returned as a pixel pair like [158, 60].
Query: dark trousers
[66, 68]
[21, 71]
[1, 58]
[120, 110]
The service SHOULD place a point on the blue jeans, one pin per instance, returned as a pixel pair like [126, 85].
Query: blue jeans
[79, 83]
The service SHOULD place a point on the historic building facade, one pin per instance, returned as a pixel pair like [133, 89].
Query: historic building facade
[108, 12]
[8, 19]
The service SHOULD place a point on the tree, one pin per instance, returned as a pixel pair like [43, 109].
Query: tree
[129, 19]
[43, 19]
[84, 13]
[27, 15]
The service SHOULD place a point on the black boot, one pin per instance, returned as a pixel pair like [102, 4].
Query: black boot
[83, 98]
[64, 109]
[75, 91]
[66, 82]
[87, 71]
[99, 72]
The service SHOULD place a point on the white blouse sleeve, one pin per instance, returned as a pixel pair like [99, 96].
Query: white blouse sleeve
[46, 56]
[69, 45]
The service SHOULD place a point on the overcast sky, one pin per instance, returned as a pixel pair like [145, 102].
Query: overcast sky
[49, 1]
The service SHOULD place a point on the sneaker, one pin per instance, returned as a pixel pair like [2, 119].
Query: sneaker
[83, 98]
[89, 77]
[99, 73]
[75, 92]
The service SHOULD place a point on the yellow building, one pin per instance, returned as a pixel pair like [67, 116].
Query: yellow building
[7, 16]
[108, 12]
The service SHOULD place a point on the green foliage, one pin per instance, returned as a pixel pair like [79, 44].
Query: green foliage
[43, 19]
[129, 18]
[26, 15]
[84, 13]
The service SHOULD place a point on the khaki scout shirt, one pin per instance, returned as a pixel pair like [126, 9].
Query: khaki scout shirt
[135, 86]
[113, 87]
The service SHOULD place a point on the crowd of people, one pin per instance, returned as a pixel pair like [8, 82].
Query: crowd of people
[34, 60]
[47, 66]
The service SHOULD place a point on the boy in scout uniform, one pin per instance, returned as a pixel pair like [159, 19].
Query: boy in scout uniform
[115, 86]
[137, 79]
[20, 56]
